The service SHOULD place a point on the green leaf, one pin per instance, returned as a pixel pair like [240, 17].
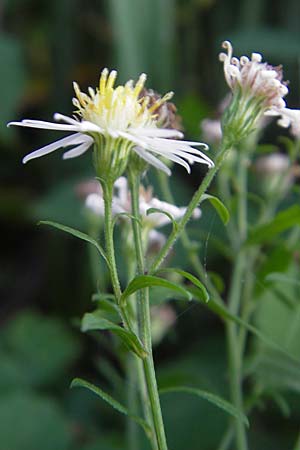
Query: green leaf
[192, 278]
[96, 321]
[219, 207]
[212, 398]
[282, 222]
[161, 211]
[107, 307]
[78, 234]
[281, 278]
[224, 314]
[78, 382]
[144, 281]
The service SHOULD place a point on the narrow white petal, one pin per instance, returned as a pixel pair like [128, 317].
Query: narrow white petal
[147, 156]
[77, 151]
[177, 160]
[156, 132]
[69, 140]
[86, 126]
[46, 125]
[63, 118]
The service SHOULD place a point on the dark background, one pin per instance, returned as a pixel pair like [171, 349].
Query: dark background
[45, 281]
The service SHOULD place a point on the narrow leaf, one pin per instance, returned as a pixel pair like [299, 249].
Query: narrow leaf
[219, 207]
[281, 222]
[78, 382]
[76, 233]
[192, 279]
[212, 398]
[144, 281]
[282, 279]
[96, 321]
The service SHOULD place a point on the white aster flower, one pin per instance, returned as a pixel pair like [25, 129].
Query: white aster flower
[257, 87]
[118, 120]
[121, 203]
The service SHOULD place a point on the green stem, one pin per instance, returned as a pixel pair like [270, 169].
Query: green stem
[235, 363]
[145, 321]
[109, 238]
[234, 303]
[110, 250]
[190, 209]
[187, 244]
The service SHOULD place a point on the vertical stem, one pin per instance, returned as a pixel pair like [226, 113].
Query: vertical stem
[109, 239]
[145, 321]
[235, 361]
[234, 303]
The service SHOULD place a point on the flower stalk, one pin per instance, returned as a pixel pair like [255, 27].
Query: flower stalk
[145, 320]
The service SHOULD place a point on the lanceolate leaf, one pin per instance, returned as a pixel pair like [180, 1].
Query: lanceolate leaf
[281, 278]
[192, 279]
[78, 382]
[95, 321]
[78, 234]
[282, 222]
[212, 398]
[219, 207]
[144, 281]
[224, 314]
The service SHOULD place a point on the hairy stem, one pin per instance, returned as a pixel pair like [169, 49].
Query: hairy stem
[145, 321]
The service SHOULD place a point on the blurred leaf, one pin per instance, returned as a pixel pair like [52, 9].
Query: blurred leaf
[212, 398]
[282, 222]
[28, 340]
[281, 278]
[223, 313]
[77, 234]
[31, 422]
[218, 205]
[78, 382]
[138, 47]
[96, 321]
[12, 80]
[191, 278]
[276, 372]
[144, 281]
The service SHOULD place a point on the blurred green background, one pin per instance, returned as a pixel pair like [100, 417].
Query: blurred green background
[45, 280]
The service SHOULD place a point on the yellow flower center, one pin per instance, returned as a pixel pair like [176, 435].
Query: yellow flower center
[117, 108]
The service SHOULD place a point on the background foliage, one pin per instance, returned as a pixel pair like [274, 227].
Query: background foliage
[45, 276]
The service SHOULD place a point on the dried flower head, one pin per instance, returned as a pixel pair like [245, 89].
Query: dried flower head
[257, 87]
[119, 121]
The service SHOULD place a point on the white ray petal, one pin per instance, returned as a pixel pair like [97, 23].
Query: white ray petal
[183, 154]
[46, 125]
[67, 119]
[156, 132]
[69, 140]
[151, 159]
[77, 151]
[166, 148]
[176, 159]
